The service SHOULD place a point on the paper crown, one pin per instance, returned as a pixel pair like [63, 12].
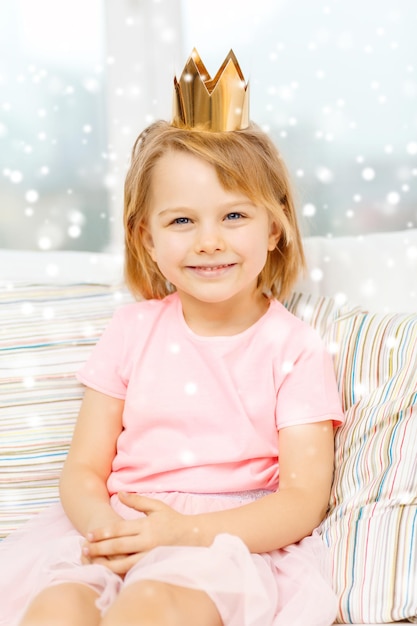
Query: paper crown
[218, 104]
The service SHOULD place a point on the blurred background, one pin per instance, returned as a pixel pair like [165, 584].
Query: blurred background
[333, 82]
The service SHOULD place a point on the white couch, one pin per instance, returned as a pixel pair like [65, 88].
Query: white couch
[54, 306]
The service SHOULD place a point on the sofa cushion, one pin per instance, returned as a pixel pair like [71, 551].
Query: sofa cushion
[318, 311]
[376, 270]
[372, 523]
[46, 334]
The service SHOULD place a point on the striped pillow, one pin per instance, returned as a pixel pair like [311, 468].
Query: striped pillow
[318, 311]
[371, 527]
[46, 333]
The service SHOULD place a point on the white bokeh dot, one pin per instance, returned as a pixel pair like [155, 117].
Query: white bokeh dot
[368, 288]
[324, 174]
[89, 330]
[392, 342]
[48, 313]
[44, 243]
[340, 298]
[74, 231]
[31, 196]
[316, 274]
[309, 209]
[333, 347]
[287, 367]
[360, 390]
[368, 173]
[187, 457]
[190, 388]
[16, 176]
[393, 197]
[27, 308]
[34, 421]
[308, 311]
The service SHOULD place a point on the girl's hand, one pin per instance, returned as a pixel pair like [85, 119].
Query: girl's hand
[119, 545]
[102, 519]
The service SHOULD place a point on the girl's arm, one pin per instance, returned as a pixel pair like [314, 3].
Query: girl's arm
[83, 490]
[306, 455]
[271, 522]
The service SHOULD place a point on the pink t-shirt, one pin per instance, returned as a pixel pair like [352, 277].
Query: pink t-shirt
[201, 413]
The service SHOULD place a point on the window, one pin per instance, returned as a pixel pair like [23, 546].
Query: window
[333, 82]
[53, 125]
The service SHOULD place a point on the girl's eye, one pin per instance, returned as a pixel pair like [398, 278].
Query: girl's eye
[181, 220]
[234, 216]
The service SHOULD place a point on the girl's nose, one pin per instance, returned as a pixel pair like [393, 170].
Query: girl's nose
[209, 240]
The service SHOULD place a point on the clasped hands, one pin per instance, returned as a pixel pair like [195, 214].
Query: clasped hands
[120, 544]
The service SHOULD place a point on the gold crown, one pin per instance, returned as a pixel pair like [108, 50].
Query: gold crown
[219, 104]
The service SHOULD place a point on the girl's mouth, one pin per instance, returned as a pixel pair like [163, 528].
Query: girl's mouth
[211, 270]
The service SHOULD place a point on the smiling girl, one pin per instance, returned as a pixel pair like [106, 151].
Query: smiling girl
[202, 458]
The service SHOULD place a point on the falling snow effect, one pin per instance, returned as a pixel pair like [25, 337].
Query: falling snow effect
[337, 94]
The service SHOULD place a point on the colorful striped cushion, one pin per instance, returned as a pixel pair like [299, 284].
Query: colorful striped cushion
[372, 525]
[318, 311]
[46, 333]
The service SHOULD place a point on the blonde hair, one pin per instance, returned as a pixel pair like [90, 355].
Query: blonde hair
[245, 160]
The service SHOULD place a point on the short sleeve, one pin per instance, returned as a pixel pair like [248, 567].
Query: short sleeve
[104, 370]
[308, 392]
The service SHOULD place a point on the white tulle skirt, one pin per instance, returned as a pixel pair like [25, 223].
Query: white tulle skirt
[287, 587]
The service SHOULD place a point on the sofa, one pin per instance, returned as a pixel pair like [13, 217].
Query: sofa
[360, 293]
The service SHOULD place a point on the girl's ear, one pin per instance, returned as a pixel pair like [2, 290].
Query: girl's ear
[274, 235]
[147, 241]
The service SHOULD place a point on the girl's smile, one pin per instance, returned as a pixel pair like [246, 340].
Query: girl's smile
[212, 271]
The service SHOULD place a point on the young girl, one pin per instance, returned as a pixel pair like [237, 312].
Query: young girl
[202, 457]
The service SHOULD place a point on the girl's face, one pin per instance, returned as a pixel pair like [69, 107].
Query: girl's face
[208, 242]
